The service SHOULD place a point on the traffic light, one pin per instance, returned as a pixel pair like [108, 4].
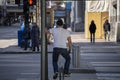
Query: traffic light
[17, 1]
[32, 2]
[25, 7]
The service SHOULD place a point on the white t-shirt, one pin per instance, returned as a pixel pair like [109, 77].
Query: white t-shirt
[60, 36]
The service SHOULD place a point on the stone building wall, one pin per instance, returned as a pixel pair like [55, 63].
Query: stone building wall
[77, 16]
[114, 18]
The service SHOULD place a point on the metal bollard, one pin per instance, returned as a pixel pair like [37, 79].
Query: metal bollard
[76, 56]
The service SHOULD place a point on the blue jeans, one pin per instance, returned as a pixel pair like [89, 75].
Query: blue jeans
[65, 54]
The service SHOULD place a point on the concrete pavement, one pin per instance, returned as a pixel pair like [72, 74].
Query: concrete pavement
[27, 67]
[9, 39]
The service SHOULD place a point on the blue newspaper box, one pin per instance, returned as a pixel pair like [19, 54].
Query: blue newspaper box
[20, 37]
[20, 34]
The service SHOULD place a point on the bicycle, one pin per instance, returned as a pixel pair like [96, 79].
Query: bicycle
[60, 68]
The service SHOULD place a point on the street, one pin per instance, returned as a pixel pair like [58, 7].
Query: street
[27, 66]
[104, 58]
[19, 66]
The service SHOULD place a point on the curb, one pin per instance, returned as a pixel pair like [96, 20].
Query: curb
[29, 52]
[78, 70]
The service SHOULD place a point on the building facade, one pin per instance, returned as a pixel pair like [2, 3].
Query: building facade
[77, 15]
[98, 11]
[84, 12]
[114, 18]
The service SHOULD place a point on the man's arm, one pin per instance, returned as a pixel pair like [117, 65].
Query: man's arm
[47, 31]
[69, 43]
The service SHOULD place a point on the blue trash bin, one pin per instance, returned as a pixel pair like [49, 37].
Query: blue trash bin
[20, 34]
[22, 27]
[20, 37]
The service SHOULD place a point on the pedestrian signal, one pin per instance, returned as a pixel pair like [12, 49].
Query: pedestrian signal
[32, 2]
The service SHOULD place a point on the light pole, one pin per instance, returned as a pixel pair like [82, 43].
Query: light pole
[4, 12]
[44, 55]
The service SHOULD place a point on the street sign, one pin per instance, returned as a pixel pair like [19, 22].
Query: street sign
[68, 5]
[59, 13]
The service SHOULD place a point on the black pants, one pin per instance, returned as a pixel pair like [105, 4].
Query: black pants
[107, 35]
[65, 54]
[92, 37]
[26, 44]
[34, 48]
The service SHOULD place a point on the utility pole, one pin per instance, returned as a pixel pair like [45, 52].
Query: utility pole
[26, 12]
[38, 14]
[4, 10]
[44, 55]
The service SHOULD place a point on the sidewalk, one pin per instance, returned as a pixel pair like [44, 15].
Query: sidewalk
[11, 45]
[9, 41]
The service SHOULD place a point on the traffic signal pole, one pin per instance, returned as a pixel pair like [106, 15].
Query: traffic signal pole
[44, 55]
[26, 13]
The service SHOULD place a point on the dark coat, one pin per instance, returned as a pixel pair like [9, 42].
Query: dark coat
[106, 26]
[35, 33]
[92, 27]
[26, 33]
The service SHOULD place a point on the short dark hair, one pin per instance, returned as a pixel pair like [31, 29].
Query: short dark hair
[59, 22]
[64, 26]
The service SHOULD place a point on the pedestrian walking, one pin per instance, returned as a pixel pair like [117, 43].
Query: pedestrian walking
[92, 29]
[106, 28]
[60, 36]
[35, 34]
[27, 37]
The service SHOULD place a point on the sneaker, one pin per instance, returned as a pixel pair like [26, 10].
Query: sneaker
[55, 75]
[67, 74]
